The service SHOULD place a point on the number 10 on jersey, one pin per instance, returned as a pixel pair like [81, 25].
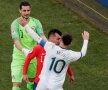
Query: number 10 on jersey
[57, 65]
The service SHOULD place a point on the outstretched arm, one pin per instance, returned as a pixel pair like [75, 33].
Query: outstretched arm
[34, 35]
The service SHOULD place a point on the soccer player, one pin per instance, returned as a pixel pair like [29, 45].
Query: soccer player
[23, 43]
[57, 59]
[38, 51]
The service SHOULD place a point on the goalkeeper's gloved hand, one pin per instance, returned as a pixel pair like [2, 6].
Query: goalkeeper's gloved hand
[25, 51]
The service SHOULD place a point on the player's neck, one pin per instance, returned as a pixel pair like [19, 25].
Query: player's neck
[63, 46]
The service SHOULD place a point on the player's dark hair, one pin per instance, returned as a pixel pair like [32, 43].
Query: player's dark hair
[53, 31]
[24, 3]
[66, 38]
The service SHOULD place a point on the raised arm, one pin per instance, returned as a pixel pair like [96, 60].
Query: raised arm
[76, 55]
[85, 36]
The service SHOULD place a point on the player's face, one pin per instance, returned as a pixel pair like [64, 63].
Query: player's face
[25, 11]
[56, 39]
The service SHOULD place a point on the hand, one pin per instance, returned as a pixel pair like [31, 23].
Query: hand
[22, 21]
[85, 35]
[71, 79]
[25, 78]
[25, 51]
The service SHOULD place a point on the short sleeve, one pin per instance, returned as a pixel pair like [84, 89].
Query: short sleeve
[14, 30]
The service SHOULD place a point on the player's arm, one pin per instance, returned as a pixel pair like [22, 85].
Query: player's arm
[76, 55]
[15, 37]
[43, 36]
[17, 44]
[33, 34]
[85, 36]
[29, 57]
[70, 73]
[39, 30]
[69, 70]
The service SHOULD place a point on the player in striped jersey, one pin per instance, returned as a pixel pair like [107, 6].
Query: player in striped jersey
[57, 59]
[38, 51]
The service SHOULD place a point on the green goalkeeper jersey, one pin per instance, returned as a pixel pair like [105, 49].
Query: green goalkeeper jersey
[18, 31]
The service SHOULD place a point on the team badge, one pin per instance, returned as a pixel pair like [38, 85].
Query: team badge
[33, 28]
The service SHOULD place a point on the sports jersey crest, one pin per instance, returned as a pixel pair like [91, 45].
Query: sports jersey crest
[33, 28]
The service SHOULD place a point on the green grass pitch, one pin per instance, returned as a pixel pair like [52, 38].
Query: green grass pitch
[91, 72]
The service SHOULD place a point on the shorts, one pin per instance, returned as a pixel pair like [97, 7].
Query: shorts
[34, 86]
[44, 86]
[16, 72]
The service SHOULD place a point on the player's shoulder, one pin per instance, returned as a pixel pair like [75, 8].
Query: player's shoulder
[49, 45]
[15, 22]
[71, 52]
[34, 19]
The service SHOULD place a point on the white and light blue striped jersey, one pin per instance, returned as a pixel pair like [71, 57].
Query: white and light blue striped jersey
[55, 65]
[56, 62]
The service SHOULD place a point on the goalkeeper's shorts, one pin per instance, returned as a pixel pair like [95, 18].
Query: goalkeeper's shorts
[16, 72]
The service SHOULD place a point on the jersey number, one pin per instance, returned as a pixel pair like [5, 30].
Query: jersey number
[21, 34]
[57, 66]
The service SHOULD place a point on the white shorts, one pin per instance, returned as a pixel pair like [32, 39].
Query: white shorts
[44, 86]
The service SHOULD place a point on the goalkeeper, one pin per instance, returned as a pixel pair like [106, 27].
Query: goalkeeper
[23, 43]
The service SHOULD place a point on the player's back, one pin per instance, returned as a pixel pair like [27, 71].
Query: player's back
[55, 65]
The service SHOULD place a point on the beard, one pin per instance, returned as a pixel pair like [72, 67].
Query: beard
[26, 16]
